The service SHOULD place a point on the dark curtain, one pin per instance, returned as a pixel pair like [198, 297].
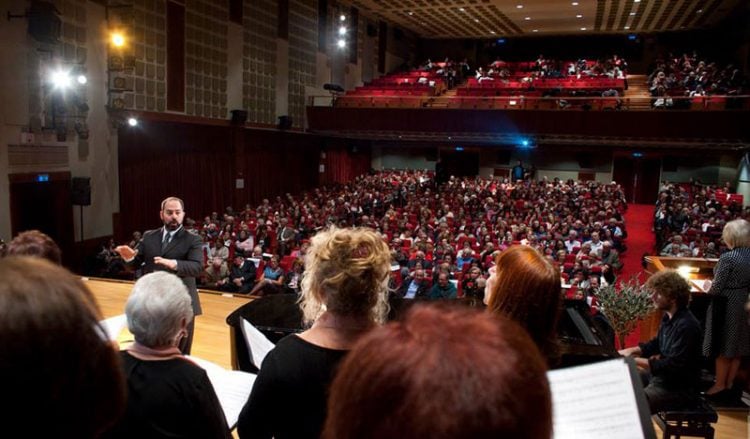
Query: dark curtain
[157, 160]
[199, 163]
[345, 162]
[276, 163]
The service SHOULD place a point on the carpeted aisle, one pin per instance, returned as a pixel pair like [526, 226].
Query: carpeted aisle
[640, 241]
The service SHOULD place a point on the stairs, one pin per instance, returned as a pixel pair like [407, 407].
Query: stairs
[442, 100]
[637, 95]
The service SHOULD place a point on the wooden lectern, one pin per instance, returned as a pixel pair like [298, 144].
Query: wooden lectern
[699, 273]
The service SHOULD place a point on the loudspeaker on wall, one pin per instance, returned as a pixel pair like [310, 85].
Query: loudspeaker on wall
[81, 191]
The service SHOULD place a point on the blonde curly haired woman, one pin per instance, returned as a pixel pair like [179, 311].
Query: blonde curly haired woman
[344, 296]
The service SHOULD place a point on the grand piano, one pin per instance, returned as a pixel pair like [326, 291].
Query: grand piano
[583, 338]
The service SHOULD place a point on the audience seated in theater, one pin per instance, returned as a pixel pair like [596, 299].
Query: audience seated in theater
[403, 381]
[473, 285]
[689, 75]
[443, 288]
[244, 243]
[293, 279]
[414, 286]
[438, 221]
[215, 273]
[241, 276]
[35, 243]
[670, 362]
[344, 296]
[62, 375]
[610, 256]
[695, 215]
[219, 250]
[168, 395]
[526, 288]
[271, 280]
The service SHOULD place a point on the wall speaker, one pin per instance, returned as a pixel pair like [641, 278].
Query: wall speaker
[285, 122]
[81, 191]
[44, 22]
[239, 117]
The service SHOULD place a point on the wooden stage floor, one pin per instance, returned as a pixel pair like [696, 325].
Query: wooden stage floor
[212, 338]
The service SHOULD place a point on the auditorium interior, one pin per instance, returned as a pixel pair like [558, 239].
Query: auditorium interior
[405, 116]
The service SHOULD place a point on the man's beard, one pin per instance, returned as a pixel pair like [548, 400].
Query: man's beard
[172, 226]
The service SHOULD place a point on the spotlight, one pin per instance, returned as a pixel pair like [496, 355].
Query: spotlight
[118, 39]
[132, 121]
[342, 31]
[342, 17]
[60, 79]
[524, 143]
[82, 79]
[341, 43]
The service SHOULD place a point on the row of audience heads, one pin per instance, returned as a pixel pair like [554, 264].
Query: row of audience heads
[48, 317]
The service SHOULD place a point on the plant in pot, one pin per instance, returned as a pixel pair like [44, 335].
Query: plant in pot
[624, 306]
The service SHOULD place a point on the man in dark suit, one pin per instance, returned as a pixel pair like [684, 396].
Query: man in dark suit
[241, 277]
[414, 286]
[173, 249]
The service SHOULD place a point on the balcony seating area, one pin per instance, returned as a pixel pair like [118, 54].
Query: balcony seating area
[404, 89]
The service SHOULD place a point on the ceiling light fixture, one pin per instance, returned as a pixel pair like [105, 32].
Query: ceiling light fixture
[632, 13]
[574, 3]
[519, 6]
[579, 16]
[535, 30]
[583, 28]
[527, 18]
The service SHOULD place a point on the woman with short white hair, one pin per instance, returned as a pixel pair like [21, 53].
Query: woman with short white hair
[728, 339]
[168, 395]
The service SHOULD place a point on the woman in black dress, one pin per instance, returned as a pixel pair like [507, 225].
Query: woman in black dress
[344, 296]
[729, 338]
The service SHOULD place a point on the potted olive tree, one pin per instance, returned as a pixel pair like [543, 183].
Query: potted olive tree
[625, 306]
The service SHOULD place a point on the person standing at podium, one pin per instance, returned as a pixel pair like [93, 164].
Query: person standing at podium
[173, 249]
[729, 338]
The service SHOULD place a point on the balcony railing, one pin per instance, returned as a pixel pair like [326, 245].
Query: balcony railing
[701, 103]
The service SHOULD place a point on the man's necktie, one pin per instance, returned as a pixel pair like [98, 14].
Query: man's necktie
[165, 241]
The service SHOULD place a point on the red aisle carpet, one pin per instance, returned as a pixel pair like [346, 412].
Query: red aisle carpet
[640, 241]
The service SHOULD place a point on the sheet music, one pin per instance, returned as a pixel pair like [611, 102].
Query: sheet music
[232, 387]
[257, 343]
[595, 401]
[114, 326]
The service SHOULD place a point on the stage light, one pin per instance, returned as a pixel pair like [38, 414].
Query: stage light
[60, 79]
[132, 121]
[341, 43]
[118, 39]
[525, 143]
[82, 79]
[342, 31]
[342, 17]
